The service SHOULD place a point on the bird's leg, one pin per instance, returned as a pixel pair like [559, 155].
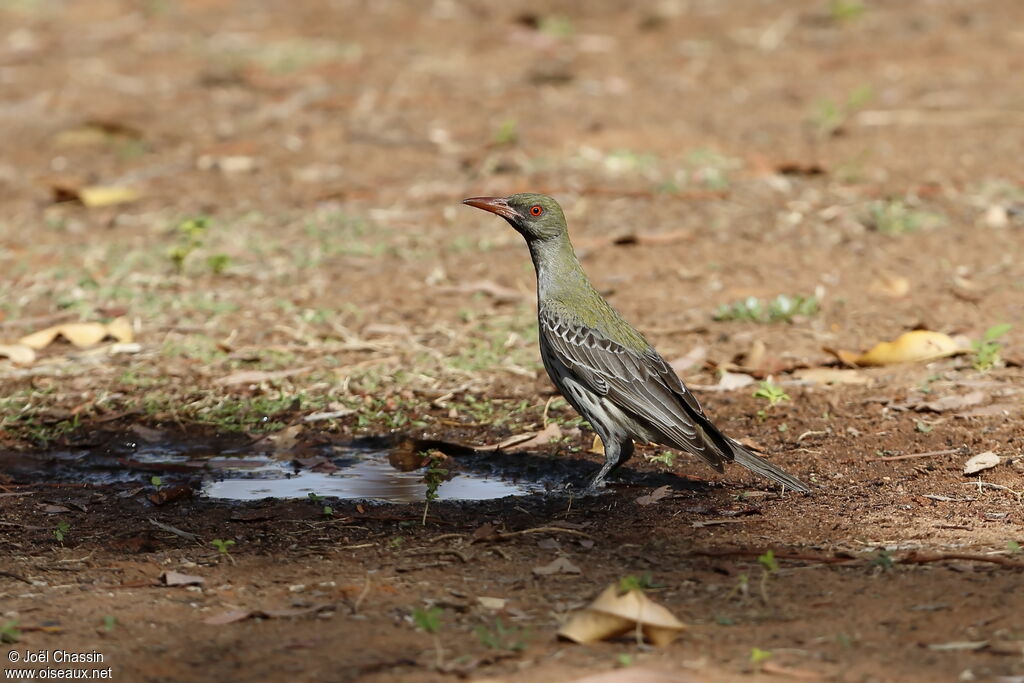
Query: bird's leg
[616, 452]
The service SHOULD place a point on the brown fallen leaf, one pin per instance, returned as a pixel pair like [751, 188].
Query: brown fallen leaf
[560, 565]
[229, 617]
[170, 494]
[953, 402]
[235, 615]
[893, 286]
[918, 345]
[523, 442]
[173, 578]
[1000, 409]
[655, 495]
[613, 614]
[981, 461]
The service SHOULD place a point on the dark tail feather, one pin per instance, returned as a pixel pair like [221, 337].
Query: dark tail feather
[759, 465]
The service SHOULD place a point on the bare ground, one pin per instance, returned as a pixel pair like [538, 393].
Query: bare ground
[704, 152]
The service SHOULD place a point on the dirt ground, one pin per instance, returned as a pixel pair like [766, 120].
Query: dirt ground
[293, 246]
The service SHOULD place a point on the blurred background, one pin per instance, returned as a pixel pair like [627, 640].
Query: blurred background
[271, 185]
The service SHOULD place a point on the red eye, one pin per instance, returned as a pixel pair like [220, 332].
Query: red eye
[536, 210]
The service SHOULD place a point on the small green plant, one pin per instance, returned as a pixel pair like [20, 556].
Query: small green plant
[623, 660]
[434, 477]
[190, 235]
[315, 498]
[223, 546]
[218, 263]
[781, 309]
[923, 427]
[770, 392]
[845, 11]
[988, 349]
[641, 583]
[666, 458]
[109, 622]
[769, 566]
[556, 26]
[896, 217]
[507, 133]
[428, 620]
[61, 532]
[156, 481]
[759, 656]
[501, 637]
[9, 632]
[883, 561]
[829, 117]
[1013, 547]
[328, 511]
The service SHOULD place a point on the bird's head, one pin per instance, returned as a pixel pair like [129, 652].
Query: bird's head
[535, 216]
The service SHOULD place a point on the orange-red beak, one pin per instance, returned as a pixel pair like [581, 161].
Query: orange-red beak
[498, 205]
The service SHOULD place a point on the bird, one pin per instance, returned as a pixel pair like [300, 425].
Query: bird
[606, 370]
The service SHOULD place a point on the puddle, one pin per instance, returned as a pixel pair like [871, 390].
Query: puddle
[362, 476]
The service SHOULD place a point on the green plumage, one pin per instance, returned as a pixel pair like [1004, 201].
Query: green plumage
[602, 366]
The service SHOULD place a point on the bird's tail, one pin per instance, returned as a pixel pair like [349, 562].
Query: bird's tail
[759, 465]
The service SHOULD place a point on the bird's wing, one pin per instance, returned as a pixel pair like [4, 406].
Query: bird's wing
[640, 383]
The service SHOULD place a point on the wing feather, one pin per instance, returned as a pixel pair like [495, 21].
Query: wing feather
[642, 385]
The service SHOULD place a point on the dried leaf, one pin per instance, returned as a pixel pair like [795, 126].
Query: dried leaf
[83, 334]
[559, 565]
[546, 435]
[954, 402]
[613, 614]
[258, 376]
[172, 578]
[655, 495]
[21, 354]
[981, 461]
[889, 285]
[80, 334]
[729, 381]
[121, 330]
[919, 345]
[229, 617]
[597, 446]
[96, 195]
[495, 604]
[832, 376]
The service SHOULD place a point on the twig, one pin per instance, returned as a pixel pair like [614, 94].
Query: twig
[910, 456]
[543, 530]
[176, 531]
[12, 575]
[362, 596]
[914, 558]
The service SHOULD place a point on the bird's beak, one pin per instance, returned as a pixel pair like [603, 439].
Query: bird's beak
[498, 205]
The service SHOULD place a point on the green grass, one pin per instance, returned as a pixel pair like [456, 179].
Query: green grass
[782, 308]
[896, 217]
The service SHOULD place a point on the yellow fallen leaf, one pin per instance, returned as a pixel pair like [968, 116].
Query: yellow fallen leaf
[105, 196]
[41, 339]
[597, 446]
[919, 345]
[121, 330]
[18, 353]
[83, 334]
[831, 376]
[80, 334]
[889, 285]
[614, 614]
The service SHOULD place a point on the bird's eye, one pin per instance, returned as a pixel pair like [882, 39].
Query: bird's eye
[536, 210]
